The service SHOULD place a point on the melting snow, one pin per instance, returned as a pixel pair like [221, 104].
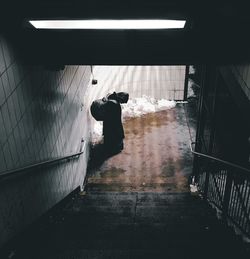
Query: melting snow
[193, 188]
[140, 106]
[97, 131]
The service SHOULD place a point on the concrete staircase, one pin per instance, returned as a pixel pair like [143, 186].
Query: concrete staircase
[131, 225]
[137, 205]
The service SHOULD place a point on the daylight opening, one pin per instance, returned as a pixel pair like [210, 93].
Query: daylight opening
[150, 88]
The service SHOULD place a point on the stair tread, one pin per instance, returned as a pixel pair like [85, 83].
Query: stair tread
[132, 225]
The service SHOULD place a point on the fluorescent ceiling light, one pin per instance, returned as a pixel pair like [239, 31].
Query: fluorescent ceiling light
[108, 24]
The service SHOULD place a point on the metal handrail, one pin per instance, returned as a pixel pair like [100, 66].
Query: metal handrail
[13, 172]
[211, 157]
[218, 159]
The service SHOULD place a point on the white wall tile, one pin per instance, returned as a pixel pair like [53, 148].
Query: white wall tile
[16, 74]
[39, 112]
[7, 155]
[6, 84]
[3, 166]
[11, 79]
[6, 119]
[2, 62]
[13, 149]
[16, 106]
[7, 53]
[12, 113]
[3, 135]
[2, 93]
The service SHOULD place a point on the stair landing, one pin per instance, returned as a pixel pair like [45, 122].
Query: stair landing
[156, 156]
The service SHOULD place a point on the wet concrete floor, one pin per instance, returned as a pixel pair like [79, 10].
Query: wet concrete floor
[156, 156]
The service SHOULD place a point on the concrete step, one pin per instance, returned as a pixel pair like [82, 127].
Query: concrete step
[131, 225]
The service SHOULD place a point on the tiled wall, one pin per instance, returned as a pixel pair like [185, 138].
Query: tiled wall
[242, 73]
[155, 81]
[42, 116]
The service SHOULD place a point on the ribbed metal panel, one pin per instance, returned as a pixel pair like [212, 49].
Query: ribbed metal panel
[154, 81]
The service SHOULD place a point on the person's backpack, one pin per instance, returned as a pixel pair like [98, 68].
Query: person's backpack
[97, 109]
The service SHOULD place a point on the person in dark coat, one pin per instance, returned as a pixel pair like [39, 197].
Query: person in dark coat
[112, 127]
[108, 109]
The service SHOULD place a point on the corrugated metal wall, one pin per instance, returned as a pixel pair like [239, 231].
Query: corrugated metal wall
[155, 81]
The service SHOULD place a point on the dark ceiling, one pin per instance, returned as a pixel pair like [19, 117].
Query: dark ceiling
[216, 32]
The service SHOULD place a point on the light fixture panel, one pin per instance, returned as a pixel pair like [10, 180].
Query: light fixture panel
[108, 24]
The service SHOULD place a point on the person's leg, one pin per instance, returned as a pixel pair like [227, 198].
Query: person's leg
[112, 145]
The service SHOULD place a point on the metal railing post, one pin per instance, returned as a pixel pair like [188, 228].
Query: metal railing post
[206, 186]
[227, 194]
[186, 83]
[221, 192]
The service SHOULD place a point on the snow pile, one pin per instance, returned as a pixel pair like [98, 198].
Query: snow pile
[134, 108]
[193, 188]
[140, 106]
[96, 135]
[191, 70]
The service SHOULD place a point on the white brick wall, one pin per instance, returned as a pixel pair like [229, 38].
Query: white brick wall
[41, 117]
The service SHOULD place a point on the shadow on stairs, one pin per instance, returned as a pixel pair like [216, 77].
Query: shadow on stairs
[131, 225]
